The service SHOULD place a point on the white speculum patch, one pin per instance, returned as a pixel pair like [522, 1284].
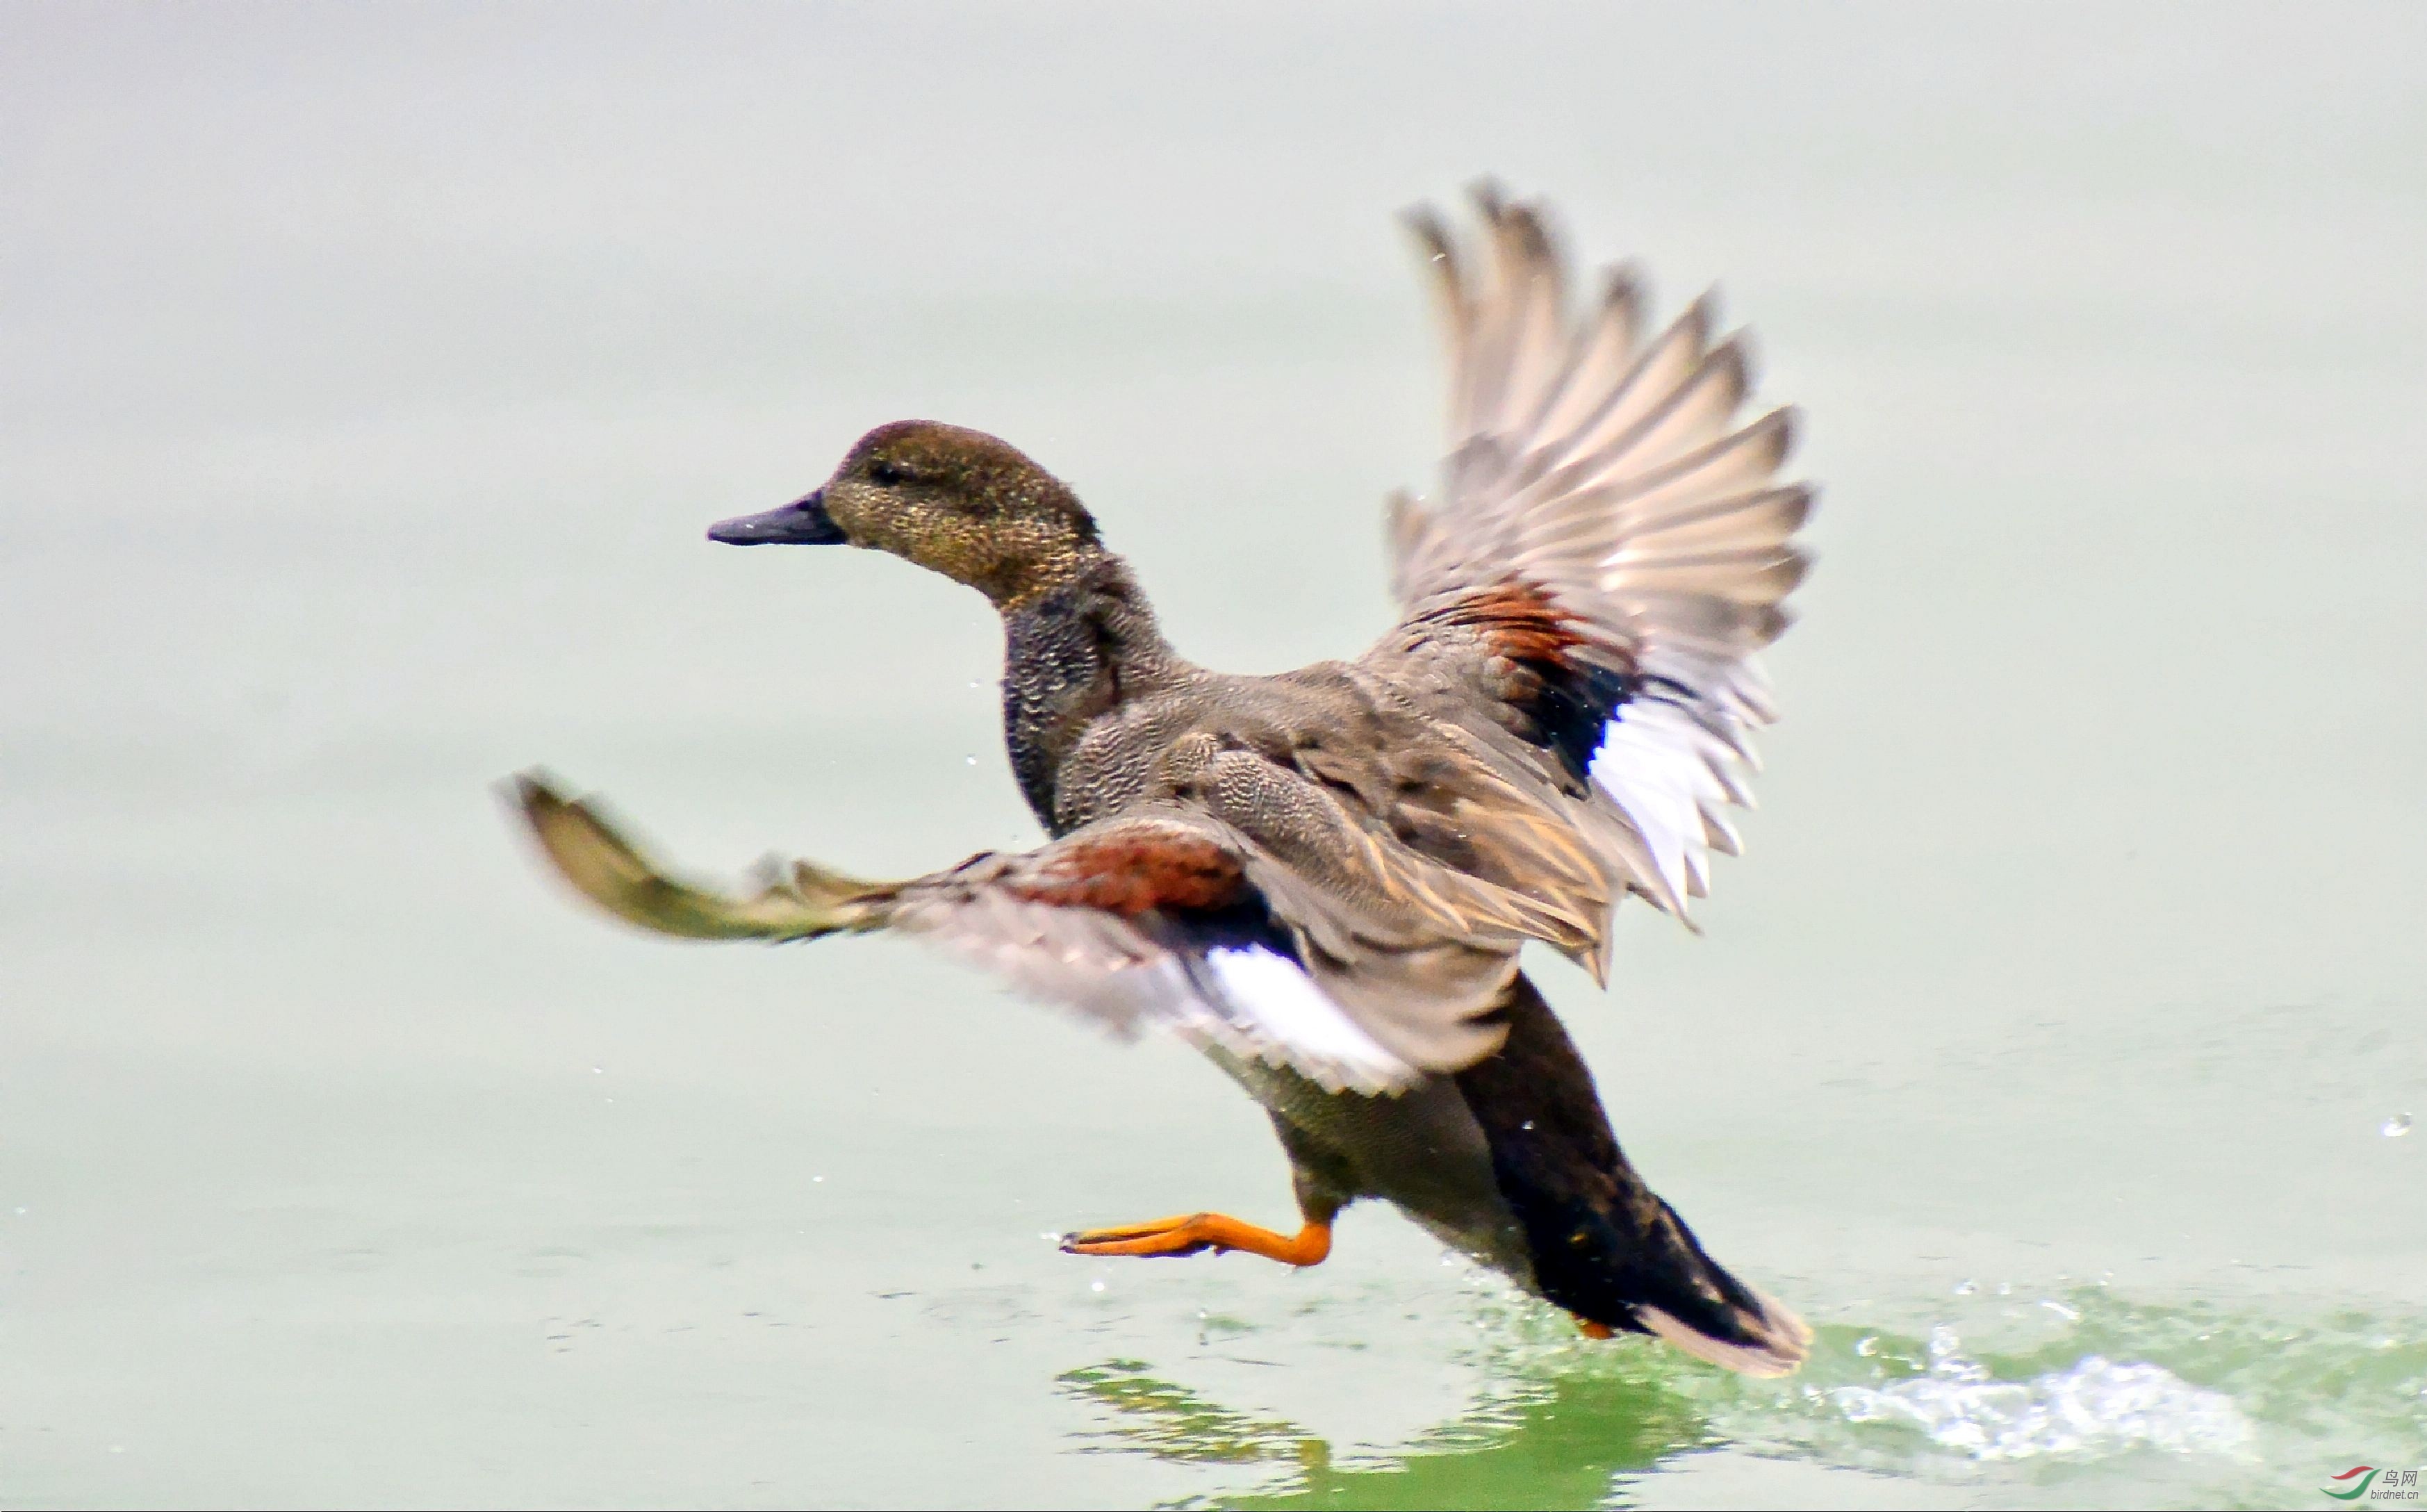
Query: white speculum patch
[1274, 995]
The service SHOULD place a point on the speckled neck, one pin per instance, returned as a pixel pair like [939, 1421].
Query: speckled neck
[1072, 655]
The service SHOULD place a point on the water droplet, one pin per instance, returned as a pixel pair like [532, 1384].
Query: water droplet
[1964, 1289]
[2396, 1126]
[1527, 1125]
[816, 1179]
[2005, 1289]
[597, 1070]
[1867, 1345]
[971, 760]
[1095, 1286]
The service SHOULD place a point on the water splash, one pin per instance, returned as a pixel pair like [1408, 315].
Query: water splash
[2396, 1126]
[2095, 1406]
[2062, 1389]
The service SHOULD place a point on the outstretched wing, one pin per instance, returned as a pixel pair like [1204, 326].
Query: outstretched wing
[1611, 545]
[1156, 916]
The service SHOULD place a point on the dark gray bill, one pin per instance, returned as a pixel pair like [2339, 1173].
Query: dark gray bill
[804, 522]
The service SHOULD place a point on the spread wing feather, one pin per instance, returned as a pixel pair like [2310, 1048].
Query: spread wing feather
[1608, 473]
[1155, 916]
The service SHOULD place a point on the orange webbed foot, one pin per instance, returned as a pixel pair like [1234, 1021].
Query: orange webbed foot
[1594, 1330]
[1196, 1233]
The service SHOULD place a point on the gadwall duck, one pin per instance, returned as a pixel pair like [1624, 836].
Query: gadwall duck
[1323, 878]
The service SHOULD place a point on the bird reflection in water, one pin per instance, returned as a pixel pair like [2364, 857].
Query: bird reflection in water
[1542, 1439]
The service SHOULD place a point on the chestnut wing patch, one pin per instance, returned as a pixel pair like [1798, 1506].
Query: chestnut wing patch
[1135, 869]
[1563, 687]
[1150, 920]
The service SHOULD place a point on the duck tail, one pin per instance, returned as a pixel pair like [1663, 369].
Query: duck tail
[1599, 1242]
[1689, 1301]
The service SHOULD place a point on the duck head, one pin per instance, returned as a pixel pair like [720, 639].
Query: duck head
[955, 501]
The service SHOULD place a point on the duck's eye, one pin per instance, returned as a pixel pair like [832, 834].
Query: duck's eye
[885, 475]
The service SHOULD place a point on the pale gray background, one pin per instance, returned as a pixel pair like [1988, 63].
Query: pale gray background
[370, 373]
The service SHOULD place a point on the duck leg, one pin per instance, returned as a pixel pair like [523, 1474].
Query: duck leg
[1196, 1233]
[1321, 1194]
